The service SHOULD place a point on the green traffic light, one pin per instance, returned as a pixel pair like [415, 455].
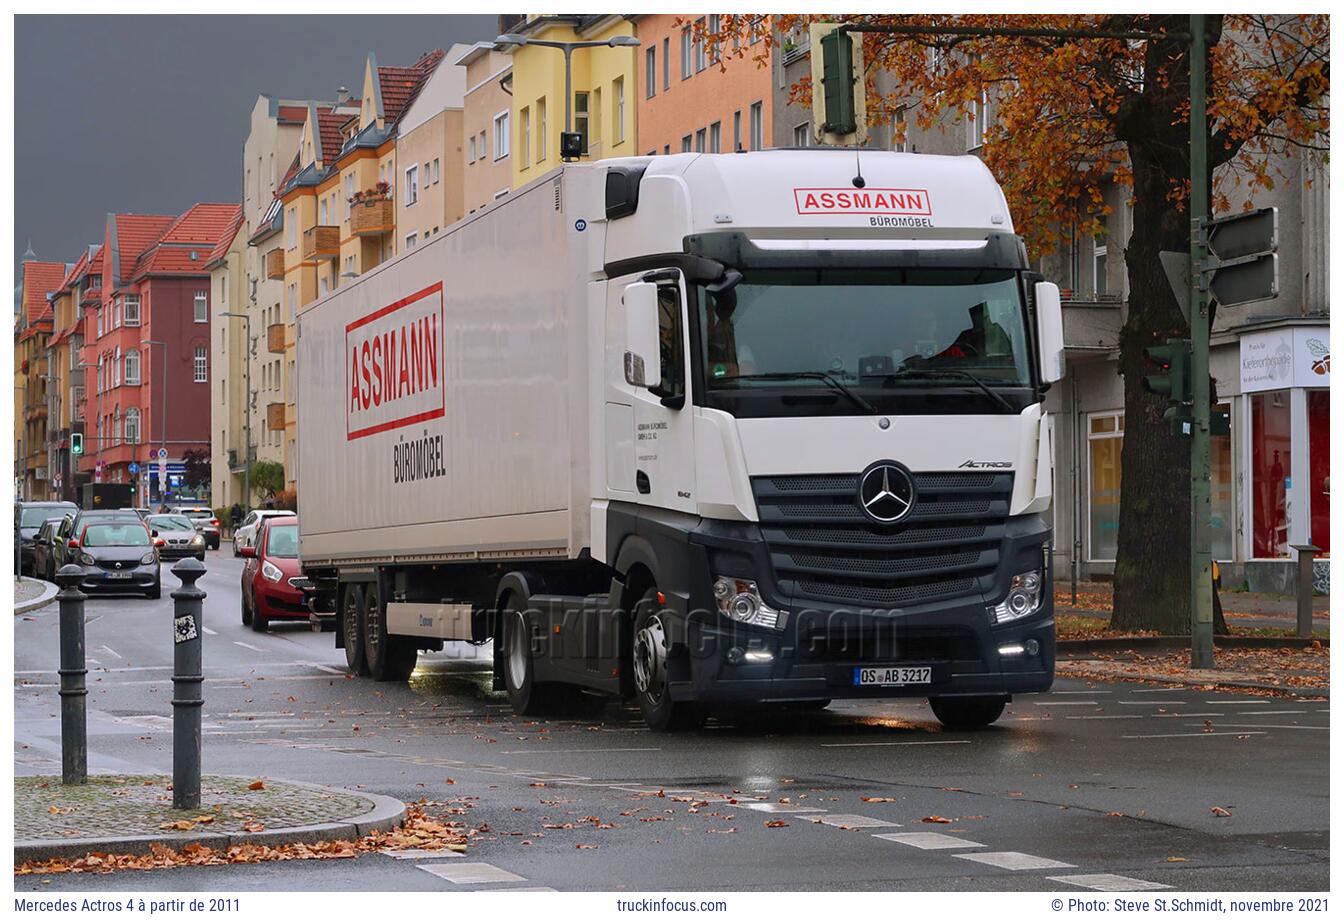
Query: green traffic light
[76, 444]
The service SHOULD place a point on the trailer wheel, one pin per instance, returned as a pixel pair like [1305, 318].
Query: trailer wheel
[649, 659]
[389, 658]
[352, 626]
[967, 713]
[527, 697]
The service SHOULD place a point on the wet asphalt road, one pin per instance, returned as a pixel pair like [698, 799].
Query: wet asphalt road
[1091, 785]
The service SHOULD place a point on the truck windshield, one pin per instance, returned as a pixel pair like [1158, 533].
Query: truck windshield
[809, 341]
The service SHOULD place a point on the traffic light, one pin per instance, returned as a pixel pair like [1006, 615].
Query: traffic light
[76, 443]
[837, 62]
[1220, 423]
[1172, 380]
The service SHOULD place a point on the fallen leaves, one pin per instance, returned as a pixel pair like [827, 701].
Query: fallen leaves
[936, 819]
[1220, 812]
[776, 823]
[256, 785]
[876, 798]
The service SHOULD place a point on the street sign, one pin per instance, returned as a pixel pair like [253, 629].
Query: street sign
[1250, 233]
[1177, 267]
[1243, 265]
[162, 453]
[133, 468]
[1246, 282]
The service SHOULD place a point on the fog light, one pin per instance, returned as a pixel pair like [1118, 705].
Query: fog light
[1033, 647]
[1008, 651]
[756, 656]
[735, 655]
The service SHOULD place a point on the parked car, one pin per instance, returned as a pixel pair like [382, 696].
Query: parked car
[204, 519]
[28, 518]
[48, 548]
[179, 535]
[119, 556]
[270, 572]
[143, 512]
[82, 519]
[247, 530]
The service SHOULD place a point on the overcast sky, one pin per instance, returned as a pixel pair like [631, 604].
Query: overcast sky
[148, 114]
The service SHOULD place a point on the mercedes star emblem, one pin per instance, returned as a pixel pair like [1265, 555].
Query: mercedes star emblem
[887, 492]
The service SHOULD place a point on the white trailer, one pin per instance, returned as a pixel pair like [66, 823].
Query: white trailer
[696, 429]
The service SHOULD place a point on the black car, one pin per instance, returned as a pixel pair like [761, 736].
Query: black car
[84, 518]
[179, 535]
[118, 556]
[49, 547]
[28, 517]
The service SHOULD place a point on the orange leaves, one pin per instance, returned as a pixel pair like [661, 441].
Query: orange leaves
[776, 823]
[936, 819]
[256, 785]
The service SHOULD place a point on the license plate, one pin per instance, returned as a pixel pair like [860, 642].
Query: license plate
[891, 677]
[118, 574]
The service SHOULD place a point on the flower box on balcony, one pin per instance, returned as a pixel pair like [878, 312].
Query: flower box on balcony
[321, 242]
[371, 217]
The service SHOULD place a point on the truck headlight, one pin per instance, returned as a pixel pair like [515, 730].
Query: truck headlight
[271, 572]
[739, 599]
[1025, 594]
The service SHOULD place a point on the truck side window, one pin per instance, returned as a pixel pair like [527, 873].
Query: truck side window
[671, 347]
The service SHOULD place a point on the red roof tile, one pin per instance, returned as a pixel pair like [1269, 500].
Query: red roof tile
[135, 233]
[400, 85]
[194, 233]
[292, 114]
[226, 238]
[329, 131]
[39, 280]
[77, 271]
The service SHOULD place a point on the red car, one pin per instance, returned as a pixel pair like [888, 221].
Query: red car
[270, 569]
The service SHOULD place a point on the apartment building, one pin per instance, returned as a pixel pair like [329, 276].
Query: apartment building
[430, 144]
[486, 124]
[230, 333]
[65, 375]
[33, 327]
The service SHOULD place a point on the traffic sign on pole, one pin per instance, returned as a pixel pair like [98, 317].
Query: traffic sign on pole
[1243, 265]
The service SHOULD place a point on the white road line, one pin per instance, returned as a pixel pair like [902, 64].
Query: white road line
[1077, 692]
[1156, 690]
[209, 631]
[1304, 728]
[321, 667]
[1152, 702]
[845, 822]
[1104, 881]
[1103, 717]
[581, 751]
[245, 645]
[927, 840]
[92, 661]
[849, 744]
[471, 873]
[1066, 703]
[1014, 861]
[1236, 702]
[1183, 715]
[109, 651]
[1193, 735]
[1272, 712]
[421, 854]
[778, 808]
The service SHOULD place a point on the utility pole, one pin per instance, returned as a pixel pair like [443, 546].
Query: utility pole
[163, 408]
[1201, 555]
[247, 406]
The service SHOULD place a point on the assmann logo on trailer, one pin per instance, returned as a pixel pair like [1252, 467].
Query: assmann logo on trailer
[887, 492]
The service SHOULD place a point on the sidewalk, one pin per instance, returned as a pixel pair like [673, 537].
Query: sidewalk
[1244, 611]
[1303, 672]
[134, 814]
[32, 594]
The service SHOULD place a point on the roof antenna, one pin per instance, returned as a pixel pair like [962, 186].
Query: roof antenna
[859, 181]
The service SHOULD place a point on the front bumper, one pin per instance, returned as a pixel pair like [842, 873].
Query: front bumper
[140, 578]
[279, 603]
[181, 551]
[823, 643]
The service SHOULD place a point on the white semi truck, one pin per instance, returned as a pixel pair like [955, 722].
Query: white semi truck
[700, 430]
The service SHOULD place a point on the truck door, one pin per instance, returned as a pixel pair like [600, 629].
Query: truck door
[664, 449]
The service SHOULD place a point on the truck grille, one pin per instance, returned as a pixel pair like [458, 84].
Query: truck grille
[823, 547]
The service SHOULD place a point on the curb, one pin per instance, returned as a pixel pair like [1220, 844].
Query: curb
[49, 592]
[386, 813]
[1143, 643]
[1204, 682]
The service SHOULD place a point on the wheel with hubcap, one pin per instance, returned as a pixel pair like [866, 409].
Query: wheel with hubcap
[649, 666]
[352, 626]
[967, 713]
[526, 696]
[387, 657]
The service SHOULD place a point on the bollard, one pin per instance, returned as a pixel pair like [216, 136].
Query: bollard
[187, 699]
[74, 693]
[1306, 553]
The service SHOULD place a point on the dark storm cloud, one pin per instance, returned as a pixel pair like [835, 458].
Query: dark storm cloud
[148, 113]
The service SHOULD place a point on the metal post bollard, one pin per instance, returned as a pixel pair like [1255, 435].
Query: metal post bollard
[1306, 554]
[74, 693]
[187, 699]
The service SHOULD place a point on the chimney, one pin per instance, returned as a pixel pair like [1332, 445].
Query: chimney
[342, 96]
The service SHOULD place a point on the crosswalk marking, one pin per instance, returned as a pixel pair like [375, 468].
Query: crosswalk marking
[778, 808]
[422, 854]
[1193, 735]
[245, 645]
[1014, 861]
[927, 840]
[845, 822]
[1104, 881]
[471, 873]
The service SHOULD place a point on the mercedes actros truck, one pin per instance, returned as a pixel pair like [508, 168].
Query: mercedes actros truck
[697, 430]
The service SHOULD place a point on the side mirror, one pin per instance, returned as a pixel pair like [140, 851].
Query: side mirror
[643, 364]
[247, 552]
[1050, 332]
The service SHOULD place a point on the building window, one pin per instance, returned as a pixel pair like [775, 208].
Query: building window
[581, 121]
[132, 368]
[737, 130]
[700, 139]
[525, 135]
[435, 166]
[116, 367]
[618, 90]
[667, 64]
[714, 30]
[412, 184]
[1271, 472]
[686, 144]
[349, 193]
[132, 425]
[1105, 437]
[411, 240]
[292, 298]
[715, 137]
[686, 53]
[650, 72]
[322, 214]
[1099, 261]
[667, 148]
[200, 304]
[116, 313]
[700, 47]
[471, 149]
[979, 117]
[323, 285]
[899, 128]
[291, 228]
[800, 134]
[198, 365]
[99, 316]
[757, 126]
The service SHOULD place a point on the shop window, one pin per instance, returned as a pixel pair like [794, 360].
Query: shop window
[1105, 437]
[1271, 469]
[1318, 489]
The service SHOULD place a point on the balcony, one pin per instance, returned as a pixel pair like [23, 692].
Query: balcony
[275, 416]
[275, 338]
[275, 264]
[372, 218]
[321, 242]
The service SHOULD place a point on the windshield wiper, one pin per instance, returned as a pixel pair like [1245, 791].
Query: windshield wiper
[829, 379]
[945, 373]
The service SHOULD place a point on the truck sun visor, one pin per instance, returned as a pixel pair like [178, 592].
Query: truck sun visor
[623, 190]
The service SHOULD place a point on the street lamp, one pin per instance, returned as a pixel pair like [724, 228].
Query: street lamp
[513, 39]
[163, 486]
[247, 405]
